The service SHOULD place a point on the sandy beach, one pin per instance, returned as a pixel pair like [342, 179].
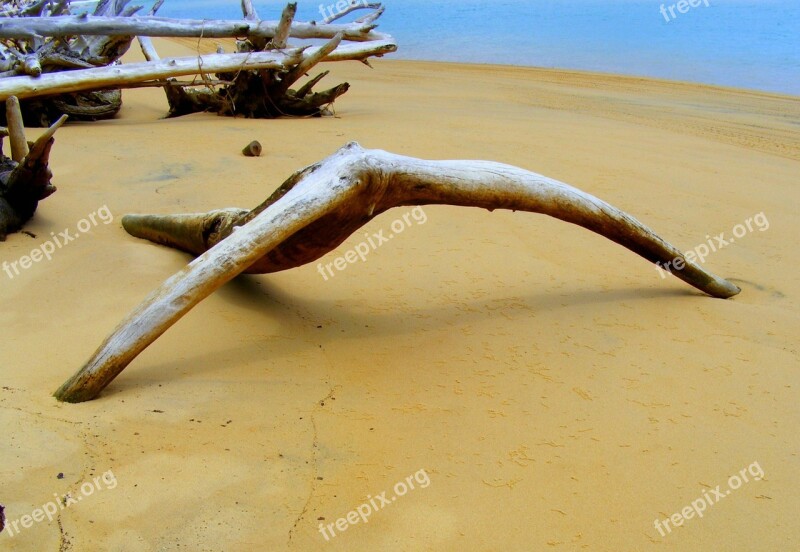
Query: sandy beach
[511, 381]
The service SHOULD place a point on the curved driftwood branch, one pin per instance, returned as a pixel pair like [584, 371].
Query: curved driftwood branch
[317, 208]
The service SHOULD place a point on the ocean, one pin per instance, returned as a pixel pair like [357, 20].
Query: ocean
[751, 44]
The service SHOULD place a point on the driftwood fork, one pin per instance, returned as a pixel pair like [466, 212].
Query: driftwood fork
[318, 207]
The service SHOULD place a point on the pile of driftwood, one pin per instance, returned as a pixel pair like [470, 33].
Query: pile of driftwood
[27, 53]
[58, 61]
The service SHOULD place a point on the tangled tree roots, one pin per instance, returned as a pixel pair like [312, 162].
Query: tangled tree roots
[266, 93]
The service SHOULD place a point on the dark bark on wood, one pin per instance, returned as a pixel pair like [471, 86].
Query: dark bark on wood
[187, 100]
[253, 149]
[84, 106]
[253, 95]
[266, 94]
[25, 177]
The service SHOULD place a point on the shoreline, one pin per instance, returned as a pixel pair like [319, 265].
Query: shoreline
[746, 45]
[208, 46]
[589, 74]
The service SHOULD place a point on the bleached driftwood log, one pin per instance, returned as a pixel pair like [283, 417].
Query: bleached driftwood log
[68, 64]
[123, 76]
[317, 208]
[187, 28]
[25, 176]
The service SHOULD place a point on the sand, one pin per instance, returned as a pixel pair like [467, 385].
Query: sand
[540, 387]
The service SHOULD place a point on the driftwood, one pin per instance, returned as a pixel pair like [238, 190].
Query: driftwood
[33, 55]
[123, 76]
[78, 61]
[269, 93]
[253, 149]
[317, 208]
[25, 176]
[250, 29]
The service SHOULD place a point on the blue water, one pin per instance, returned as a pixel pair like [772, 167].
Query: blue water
[742, 43]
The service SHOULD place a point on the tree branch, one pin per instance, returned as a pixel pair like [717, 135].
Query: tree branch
[310, 59]
[284, 27]
[26, 27]
[121, 76]
[318, 208]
